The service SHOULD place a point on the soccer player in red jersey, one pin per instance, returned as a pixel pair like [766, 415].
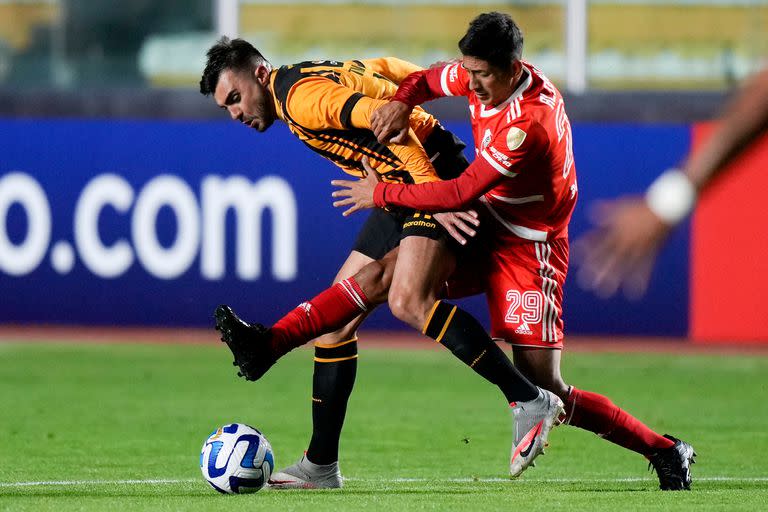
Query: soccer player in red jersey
[327, 105]
[524, 179]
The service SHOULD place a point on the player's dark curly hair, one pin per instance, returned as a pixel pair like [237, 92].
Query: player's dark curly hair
[235, 54]
[493, 37]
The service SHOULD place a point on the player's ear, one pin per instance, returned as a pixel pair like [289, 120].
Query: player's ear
[262, 74]
[517, 69]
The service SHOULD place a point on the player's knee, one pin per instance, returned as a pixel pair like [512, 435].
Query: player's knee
[374, 279]
[406, 306]
[396, 303]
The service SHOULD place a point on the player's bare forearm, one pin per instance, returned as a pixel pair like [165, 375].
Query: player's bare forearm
[743, 121]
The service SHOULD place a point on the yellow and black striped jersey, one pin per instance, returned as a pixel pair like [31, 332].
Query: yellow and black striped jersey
[328, 106]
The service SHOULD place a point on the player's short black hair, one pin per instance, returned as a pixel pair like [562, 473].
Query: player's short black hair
[236, 54]
[493, 37]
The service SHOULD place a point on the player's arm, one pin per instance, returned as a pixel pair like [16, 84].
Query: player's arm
[621, 249]
[672, 196]
[321, 104]
[390, 122]
[318, 103]
[455, 194]
[492, 166]
[392, 68]
[744, 120]
[438, 196]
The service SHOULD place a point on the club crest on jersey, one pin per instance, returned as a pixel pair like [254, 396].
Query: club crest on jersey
[515, 138]
[486, 139]
[453, 73]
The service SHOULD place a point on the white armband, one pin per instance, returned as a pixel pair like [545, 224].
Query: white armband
[671, 196]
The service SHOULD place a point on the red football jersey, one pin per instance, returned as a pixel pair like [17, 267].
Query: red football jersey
[524, 169]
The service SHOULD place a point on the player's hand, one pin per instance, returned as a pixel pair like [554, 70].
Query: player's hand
[459, 224]
[621, 249]
[358, 193]
[390, 122]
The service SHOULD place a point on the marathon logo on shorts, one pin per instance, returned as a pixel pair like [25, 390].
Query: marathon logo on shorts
[524, 329]
[422, 224]
[419, 224]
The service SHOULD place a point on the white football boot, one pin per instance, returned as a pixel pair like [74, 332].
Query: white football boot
[533, 421]
[307, 475]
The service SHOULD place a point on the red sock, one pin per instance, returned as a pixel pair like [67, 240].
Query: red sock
[328, 311]
[598, 414]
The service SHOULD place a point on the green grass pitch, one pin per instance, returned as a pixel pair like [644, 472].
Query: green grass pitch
[119, 427]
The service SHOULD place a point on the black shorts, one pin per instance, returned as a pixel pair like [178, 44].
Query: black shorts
[383, 230]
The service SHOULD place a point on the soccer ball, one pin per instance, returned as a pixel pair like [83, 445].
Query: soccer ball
[236, 459]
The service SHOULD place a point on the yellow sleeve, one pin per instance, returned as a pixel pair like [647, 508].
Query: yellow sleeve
[360, 117]
[391, 67]
[415, 159]
[318, 103]
[411, 153]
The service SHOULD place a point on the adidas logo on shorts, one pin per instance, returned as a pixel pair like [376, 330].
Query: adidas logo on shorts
[524, 329]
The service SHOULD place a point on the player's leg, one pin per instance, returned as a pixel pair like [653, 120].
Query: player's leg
[423, 266]
[427, 257]
[335, 368]
[257, 348]
[585, 409]
[532, 323]
[420, 272]
[597, 413]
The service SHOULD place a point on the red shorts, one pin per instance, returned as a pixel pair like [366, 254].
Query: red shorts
[523, 283]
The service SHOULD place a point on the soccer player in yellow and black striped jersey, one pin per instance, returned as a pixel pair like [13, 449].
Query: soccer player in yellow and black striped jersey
[328, 105]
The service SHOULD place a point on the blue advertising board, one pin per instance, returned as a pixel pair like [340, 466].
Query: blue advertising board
[155, 223]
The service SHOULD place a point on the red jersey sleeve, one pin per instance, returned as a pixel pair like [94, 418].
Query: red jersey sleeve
[422, 86]
[438, 196]
[505, 156]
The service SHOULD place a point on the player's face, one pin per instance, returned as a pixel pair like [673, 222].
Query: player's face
[245, 96]
[491, 84]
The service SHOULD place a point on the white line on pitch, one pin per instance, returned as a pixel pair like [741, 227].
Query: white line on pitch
[552, 480]
[388, 480]
[99, 482]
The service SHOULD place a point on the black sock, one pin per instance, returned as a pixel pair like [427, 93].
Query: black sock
[332, 383]
[466, 338]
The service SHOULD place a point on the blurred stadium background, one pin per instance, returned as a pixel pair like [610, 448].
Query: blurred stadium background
[111, 159]
[130, 206]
